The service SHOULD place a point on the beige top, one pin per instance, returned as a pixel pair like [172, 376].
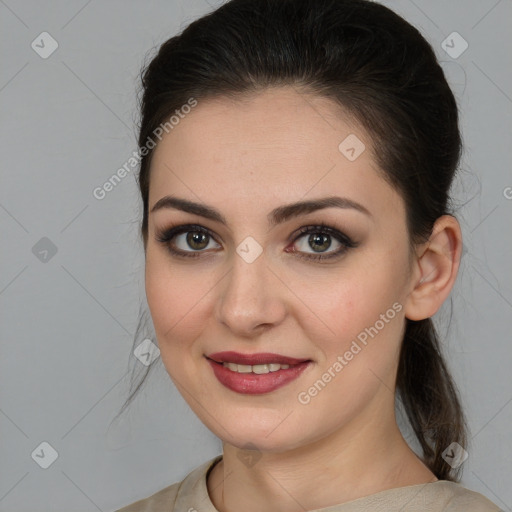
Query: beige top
[191, 495]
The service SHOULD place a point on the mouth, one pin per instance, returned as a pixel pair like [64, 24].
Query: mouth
[255, 373]
[258, 369]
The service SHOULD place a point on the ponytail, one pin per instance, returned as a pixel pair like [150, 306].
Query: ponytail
[430, 397]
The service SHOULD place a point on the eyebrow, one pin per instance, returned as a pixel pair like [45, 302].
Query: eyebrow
[277, 216]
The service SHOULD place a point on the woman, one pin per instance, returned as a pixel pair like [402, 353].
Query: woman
[297, 157]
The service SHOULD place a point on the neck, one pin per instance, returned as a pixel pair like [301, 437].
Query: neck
[358, 460]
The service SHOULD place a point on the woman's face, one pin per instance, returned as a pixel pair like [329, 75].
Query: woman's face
[249, 282]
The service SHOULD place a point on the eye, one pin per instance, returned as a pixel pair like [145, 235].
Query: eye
[186, 240]
[191, 240]
[320, 239]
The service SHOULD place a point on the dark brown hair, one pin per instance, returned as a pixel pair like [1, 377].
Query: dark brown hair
[382, 71]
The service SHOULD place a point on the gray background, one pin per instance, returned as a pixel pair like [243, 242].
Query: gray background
[68, 319]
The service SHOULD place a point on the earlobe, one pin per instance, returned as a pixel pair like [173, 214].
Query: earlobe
[435, 269]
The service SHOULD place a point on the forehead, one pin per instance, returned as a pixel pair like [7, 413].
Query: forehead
[273, 147]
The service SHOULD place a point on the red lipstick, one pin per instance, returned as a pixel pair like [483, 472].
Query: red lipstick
[254, 383]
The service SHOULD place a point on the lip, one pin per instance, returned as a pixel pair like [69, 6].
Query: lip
[251, 383]
[252, 359]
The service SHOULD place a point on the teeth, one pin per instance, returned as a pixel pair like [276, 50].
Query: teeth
[258, 369]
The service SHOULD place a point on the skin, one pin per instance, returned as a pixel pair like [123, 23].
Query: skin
[245, 158]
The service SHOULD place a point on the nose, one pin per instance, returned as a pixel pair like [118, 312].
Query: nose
[251, 298]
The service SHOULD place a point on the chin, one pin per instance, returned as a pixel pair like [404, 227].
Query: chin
[265, 434]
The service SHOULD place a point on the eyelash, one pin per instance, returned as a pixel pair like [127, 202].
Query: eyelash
[166, 236]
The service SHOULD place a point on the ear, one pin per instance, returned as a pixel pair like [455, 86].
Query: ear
[434, 269]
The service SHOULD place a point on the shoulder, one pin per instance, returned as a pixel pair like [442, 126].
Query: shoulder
[439, 496]
[161, 500]
[458, 498]
[193, 486]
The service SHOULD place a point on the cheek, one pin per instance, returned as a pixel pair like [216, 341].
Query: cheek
[363, 307]
[176, 300]
[354, 302]
[361, 360]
